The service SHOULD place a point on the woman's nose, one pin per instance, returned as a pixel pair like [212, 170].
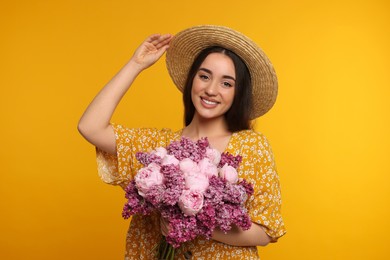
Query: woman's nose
[212, 89]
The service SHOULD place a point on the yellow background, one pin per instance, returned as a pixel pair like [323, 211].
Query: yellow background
[329, 128]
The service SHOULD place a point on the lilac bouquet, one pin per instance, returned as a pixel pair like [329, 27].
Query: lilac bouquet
[193, 186]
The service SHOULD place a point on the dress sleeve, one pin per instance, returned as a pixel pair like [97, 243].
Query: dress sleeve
[120, 169]
[266, 201]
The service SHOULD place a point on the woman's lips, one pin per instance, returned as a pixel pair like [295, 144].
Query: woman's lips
[209, 103]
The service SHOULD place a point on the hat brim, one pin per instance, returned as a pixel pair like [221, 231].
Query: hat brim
[187, 44]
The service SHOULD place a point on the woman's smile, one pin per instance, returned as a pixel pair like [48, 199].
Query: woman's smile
[209, 102]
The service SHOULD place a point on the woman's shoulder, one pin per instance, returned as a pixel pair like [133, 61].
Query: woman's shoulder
[251, 140]
[151, 136]
[151, 131]
[250, 136]
[253, 145]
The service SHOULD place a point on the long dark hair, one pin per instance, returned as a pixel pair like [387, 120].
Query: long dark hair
[237, 117]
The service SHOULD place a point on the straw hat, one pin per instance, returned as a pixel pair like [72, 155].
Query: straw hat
[187, 44]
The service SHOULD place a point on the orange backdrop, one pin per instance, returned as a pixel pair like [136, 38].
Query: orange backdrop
[329, 128]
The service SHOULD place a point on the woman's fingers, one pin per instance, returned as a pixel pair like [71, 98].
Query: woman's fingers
[160, 40]
[151, 49]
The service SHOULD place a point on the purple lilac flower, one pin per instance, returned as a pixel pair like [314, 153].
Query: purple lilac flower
[172, 175]
[130, 189]
[247, 186]
[155, 194]
[203, 230]
[234, 193]
[233, 214]
[227, 158]
[183, 229]
[147, 158]
[186, 148]
[169, 212]
[207, 217]
[243, 221]
[174, 183]
[214, 193]
[203, 144]
[171, 196]
[223, 217]
[135, 203]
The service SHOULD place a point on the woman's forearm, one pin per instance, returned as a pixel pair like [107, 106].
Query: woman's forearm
[100, 110]
[255, 236]
[94, 124]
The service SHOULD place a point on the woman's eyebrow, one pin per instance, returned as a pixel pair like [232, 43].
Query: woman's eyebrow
[210, 72]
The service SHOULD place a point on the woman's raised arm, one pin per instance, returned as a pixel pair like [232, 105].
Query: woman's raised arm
[94, 124]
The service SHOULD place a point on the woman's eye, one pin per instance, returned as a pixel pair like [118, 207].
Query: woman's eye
[203, 76]
[227, 84]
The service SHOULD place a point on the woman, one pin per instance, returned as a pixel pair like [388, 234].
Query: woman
[226, 81]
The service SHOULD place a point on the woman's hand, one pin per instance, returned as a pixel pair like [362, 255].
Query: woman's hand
[151, 50]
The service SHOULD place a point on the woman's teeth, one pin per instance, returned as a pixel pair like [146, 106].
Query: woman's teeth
[209, 102]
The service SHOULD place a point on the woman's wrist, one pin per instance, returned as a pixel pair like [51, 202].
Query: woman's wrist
[134, 67]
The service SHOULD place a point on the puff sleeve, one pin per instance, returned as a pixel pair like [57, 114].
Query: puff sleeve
[119, 169]
[266, 202]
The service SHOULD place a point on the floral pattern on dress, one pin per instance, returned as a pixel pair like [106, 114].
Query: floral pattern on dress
[257, 167]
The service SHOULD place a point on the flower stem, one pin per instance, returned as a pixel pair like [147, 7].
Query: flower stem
[166, 247]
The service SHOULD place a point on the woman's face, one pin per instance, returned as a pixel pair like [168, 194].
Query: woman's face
[213, 86]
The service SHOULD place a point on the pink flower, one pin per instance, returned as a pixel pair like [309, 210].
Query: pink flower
[147, 177]
[160, 152]
[188, 165]
[229, 173]
[208, 168]
[196, 181]
[190, 202]
[214, 155]
[169, 159]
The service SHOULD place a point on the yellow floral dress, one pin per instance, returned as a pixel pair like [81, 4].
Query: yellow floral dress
[257, 167]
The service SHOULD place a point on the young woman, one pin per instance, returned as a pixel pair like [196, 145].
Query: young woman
[226, 81]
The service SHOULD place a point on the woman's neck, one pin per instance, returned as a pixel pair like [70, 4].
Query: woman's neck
[200, 127]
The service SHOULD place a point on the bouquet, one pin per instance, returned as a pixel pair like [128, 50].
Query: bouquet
[194, 187]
